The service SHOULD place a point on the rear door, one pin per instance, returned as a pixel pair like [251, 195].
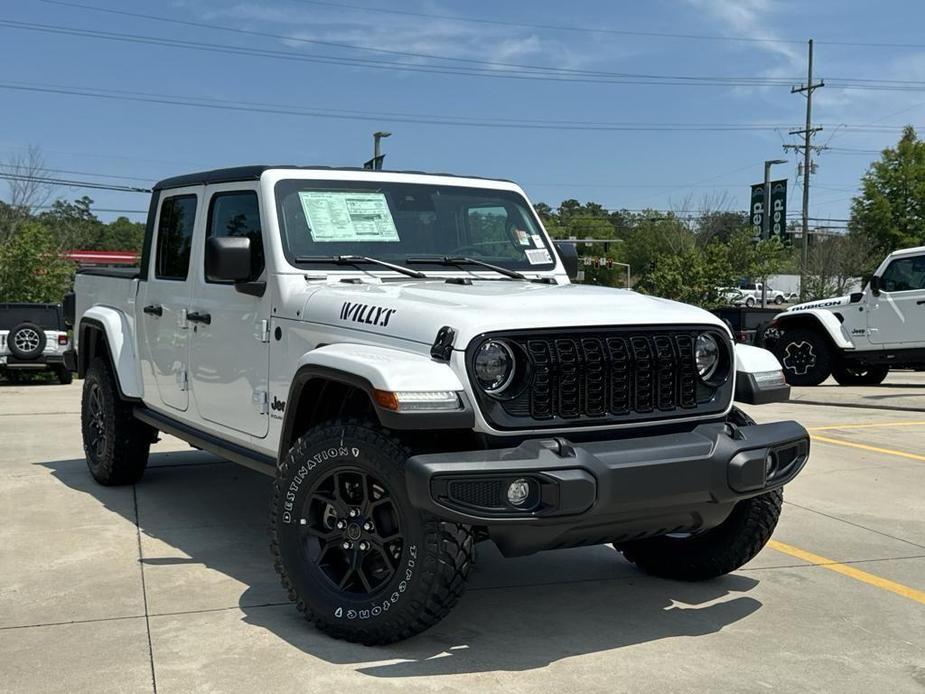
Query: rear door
[229, 354]
[897, 316]
[163, 301]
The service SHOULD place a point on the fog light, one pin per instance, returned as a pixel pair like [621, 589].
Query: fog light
[769, 465]
[518, 492]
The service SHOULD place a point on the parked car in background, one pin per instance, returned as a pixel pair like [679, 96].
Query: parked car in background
[857, 338]
[33, 337]
[732, 296]
[751, 295]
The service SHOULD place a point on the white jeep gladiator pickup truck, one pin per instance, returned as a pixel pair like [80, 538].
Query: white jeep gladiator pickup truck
[405, 354]
[857, 338]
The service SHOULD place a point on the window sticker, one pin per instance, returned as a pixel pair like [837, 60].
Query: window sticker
[522, 237]
[538, 256]
[537, 241]
[348, 216]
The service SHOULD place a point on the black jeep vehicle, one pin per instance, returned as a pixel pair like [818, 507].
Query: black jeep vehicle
[33, 337]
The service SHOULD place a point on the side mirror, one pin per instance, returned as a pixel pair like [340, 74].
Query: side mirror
[874, 285]
[569, 254]
[229, 259]
[69, 309]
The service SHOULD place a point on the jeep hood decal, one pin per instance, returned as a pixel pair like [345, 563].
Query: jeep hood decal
[822, 303]
[417, 310]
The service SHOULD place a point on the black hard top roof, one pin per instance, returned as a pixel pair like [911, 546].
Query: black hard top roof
[252, 173]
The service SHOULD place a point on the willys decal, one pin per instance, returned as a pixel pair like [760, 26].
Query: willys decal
[366, 314]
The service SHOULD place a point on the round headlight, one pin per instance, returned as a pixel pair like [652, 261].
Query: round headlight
[706, 354]
[494, 366]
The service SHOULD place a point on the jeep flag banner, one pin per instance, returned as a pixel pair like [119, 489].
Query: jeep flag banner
[778, 208]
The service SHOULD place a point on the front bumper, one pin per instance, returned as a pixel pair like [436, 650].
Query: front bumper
[608, 491]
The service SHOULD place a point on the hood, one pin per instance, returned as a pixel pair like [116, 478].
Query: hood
[822, 303]
[417, 310]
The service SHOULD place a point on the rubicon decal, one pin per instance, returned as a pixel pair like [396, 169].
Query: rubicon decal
[364, 313]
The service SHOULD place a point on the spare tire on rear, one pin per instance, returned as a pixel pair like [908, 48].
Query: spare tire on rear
[26, 341]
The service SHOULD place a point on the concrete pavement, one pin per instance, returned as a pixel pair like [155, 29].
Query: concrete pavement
[167, 586]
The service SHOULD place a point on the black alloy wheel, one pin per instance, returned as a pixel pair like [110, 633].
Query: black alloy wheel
[805, 356]
[352, 531]
[356, 556]
[95, 431]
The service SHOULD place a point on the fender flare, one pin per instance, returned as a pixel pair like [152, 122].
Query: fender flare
[825, 320]
[369, 368]
[754, 389]
[117, 334]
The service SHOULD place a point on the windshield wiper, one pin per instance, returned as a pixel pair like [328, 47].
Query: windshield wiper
[450, 260]
[358, 260]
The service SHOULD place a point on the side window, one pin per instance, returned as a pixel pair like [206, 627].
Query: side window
[904, 274]
[174, 237]
[237, 214]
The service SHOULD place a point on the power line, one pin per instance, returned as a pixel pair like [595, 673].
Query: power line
[604, 30]
[424, 119]
[334, 44]
[73, 184]
[98, 209]
[281, 109]
[544, 74]
[533, 73]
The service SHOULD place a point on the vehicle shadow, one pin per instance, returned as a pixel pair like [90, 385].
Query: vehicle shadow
[518, 614]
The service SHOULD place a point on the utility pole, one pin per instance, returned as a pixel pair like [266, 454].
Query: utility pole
[807, 148]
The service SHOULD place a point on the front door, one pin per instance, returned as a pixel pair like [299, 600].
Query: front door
[163, 299]
[897, 316]
[229, 348]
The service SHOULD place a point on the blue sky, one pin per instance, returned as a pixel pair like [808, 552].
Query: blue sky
[668, 169]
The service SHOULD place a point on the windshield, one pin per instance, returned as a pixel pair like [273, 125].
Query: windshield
[398, 221]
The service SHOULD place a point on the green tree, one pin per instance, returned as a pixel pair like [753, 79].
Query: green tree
[890, 211]
[692, 276]
[122, 235]
[31, 267]
[74, 225]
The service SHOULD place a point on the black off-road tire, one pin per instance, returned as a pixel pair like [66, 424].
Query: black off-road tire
[65, 377]
[805, 356]
[715, 552]
[430, 565]
[860, 375]
[116, 444]
[35, 337]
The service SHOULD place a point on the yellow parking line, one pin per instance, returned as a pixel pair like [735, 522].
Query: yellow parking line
[850, 571]
[865, 447]
[867, 426]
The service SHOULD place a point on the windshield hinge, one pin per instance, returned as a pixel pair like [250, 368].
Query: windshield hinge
[262, 401]
[263, 331]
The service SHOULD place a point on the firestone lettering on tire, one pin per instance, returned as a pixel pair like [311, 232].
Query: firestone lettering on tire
[302, 473]
[378, 608]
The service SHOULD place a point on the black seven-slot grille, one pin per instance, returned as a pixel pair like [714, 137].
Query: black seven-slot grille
[602, 375]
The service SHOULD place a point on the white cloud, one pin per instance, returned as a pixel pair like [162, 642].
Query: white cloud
[428, 37]
[751, 18]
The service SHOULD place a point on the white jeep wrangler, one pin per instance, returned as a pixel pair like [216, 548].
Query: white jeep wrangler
[33, 338]
[404, 353]
[857, 338]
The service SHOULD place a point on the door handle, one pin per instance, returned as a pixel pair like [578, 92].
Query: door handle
[199, 318]
[154, 310]
[919, 303]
